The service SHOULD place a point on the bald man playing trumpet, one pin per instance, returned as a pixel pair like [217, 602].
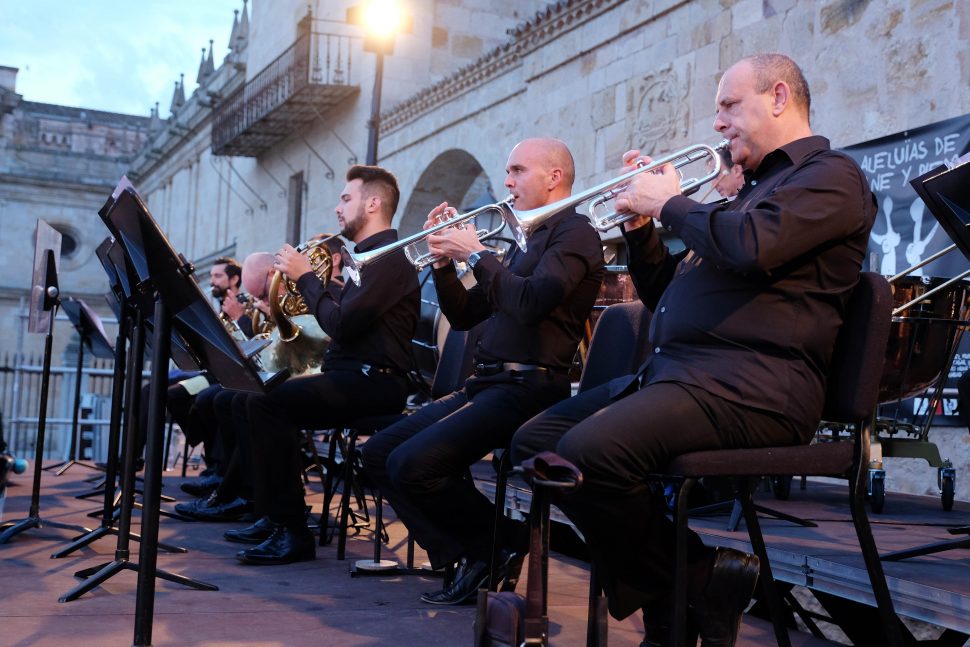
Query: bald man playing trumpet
[532, 311]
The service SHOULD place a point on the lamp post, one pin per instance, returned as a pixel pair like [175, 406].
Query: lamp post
[374, 123]
[382, 20]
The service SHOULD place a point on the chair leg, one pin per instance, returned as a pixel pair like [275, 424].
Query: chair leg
[186, 452]
[765, 577]
[597, 624]
[678, 627]
[349, 487]
[328, 487]
[877, 577]
[501, 487]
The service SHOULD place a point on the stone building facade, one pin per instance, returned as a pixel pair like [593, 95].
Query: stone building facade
[471, 79]
[58, 164]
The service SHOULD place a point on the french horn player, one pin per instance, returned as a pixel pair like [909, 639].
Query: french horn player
[297, 342]
[363, 373]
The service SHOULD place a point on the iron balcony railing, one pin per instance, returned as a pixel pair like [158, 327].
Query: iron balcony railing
[313, 74]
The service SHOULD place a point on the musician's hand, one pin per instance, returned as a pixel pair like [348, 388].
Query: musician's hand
[632, 157]
[648, 192]
[439, 214]
[232, 307]
[455, 243]
[262, 306]
[291, 263]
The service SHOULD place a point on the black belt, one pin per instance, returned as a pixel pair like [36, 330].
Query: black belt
[366, 369]
[485, 370]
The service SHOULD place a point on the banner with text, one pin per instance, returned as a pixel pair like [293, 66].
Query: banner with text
[905, 232]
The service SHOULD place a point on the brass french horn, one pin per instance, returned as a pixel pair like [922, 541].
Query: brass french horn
[298, 342]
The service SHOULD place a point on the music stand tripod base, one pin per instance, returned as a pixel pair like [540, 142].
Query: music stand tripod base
[371, 566]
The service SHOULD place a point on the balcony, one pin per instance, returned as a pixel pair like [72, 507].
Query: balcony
[310, 77]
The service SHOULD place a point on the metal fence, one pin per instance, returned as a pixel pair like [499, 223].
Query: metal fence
[20, 389]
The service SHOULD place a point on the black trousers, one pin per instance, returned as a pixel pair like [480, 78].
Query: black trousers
[323, 401]
[203, 425]
[616, 442]
[421, 463]
[179, 403]
[236, 468]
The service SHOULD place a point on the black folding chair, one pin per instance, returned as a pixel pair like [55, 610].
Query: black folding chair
[851, 398]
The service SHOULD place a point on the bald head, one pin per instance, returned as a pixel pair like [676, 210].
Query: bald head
[255, 274]
[540, 170]
[552, 154]
[771, 68]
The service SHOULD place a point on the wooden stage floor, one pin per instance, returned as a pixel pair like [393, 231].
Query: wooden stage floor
[318, 603]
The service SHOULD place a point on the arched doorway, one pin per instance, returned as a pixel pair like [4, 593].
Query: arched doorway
[455, 177]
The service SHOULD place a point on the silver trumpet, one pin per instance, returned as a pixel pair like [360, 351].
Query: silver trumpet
[355, 263]
[522, 223]
[604, 221]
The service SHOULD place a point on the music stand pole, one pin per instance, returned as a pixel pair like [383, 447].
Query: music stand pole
[95, 575]
[148, 555]
[72, 454]
[34, 519]
[114, 434]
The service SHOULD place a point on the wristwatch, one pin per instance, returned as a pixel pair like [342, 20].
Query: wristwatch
[474, 257]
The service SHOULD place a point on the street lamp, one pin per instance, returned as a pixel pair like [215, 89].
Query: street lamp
[382, 21]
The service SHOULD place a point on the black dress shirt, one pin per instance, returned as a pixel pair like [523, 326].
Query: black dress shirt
[537, 302]
[750, 310]
[373, 323]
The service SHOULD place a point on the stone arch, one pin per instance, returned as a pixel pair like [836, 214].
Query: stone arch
[454, 176]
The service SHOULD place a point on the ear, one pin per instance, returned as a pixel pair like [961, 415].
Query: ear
[373, 204]
[781, 98]
[555, 178]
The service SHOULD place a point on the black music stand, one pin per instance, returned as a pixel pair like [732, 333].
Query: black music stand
[113, 260]
[946, 193]
[181, 306]
[43, 310]
[89, 328]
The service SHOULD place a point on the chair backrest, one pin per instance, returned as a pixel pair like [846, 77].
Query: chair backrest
[860, 351]
[455, 362]
[619, 344]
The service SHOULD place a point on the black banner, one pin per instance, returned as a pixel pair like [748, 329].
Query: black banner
[905, 232]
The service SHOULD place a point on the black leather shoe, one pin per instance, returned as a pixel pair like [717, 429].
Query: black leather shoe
[202, 486]
[733, 578]
[284, 546]
[469, 578]
[188, 508]
[464, 588]
[212, 509]
[254, 534]
[452, 572]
